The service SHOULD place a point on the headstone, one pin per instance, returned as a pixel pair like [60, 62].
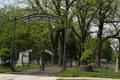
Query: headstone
[74, 63]
[103, 63]
[26, 58]
[20, 60]
[0, 60]
[40, 62]
[116, 69]
[35, 61]
[68, 64]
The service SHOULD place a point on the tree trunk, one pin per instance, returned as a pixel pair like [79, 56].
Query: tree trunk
[79, 57]
[82, 46]
[53, 58]
[61, 48]
[54, 46]
[82, 41]
[119, 55]
[98, 51]
[61, 56]
[99, 44]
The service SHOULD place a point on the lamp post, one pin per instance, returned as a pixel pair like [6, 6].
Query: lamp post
[64, 44]
[43, 65]
[12, 50]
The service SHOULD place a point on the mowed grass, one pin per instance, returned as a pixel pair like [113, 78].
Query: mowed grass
[97, 72]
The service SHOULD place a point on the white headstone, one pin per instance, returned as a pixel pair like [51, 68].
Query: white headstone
[74, 63]
[103, 63]
[116, 69]
[26, 57]
[20, 60]
[0, 60]
[40, 60]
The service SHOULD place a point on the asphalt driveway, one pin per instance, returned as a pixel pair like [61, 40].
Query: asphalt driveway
[37, 72]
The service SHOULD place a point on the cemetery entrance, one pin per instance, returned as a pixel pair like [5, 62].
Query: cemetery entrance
[23, 56]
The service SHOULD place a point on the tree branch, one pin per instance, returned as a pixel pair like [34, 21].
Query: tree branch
[70, 4]
[38, 4]
[111, 21]
[113, 36]
[75, 32]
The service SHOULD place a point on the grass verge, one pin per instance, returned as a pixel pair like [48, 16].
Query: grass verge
[97, 72]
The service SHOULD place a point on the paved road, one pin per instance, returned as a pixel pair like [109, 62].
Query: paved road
[38, 72]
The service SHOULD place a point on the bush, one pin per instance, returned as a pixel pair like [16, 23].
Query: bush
[87, 57]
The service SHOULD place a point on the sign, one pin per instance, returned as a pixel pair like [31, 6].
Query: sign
[47, 51]
[40, 17]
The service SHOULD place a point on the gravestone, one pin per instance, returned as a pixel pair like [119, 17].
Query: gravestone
[103, 63]
[40, 62]
[68, 64]
[20, 60]
[26, 58]
[23, 58]
[0, 60]
[74, 63]
[35, 62]
[116, 69]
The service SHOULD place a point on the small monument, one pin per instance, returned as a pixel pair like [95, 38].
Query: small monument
[20, 60]
[26, 57]
[74, 63]
[0, 60]
[116, 69]
[23, 58]
[40, 62]
[103, 63]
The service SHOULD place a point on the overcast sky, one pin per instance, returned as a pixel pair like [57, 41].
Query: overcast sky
[2, 2]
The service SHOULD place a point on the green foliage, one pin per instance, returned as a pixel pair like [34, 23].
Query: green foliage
[106, 51]
[87, 57]
[4, 52]
[71, 48]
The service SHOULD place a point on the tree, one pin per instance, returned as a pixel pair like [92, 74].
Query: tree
[85, 12]
[5, 54]
[106, 13]
[106, 50]
[71, 48]
[87, 57]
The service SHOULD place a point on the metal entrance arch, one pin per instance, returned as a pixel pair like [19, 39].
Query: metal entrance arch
[40, 17]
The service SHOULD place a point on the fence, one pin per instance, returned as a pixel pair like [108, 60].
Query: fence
[108, 70]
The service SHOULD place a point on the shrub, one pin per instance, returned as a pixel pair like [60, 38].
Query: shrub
[87, 57]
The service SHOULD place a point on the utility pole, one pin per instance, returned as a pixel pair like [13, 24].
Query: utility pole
[12, 50]
[64, 44]
[65, 37]
[43, 65]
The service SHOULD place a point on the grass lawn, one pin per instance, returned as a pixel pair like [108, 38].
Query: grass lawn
[97, 72]
[4, 69]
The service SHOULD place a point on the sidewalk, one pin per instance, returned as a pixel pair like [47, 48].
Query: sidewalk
[29, 77]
